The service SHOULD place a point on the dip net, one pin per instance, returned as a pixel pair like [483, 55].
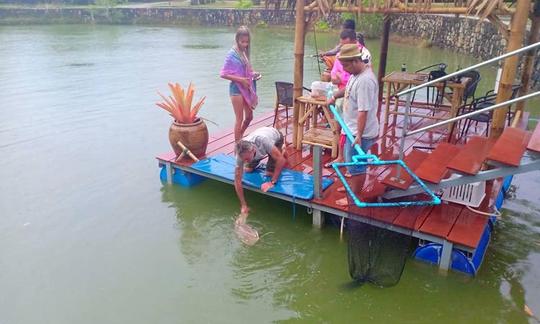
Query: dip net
[376, 255]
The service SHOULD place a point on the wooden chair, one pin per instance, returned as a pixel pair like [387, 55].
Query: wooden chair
[284, 99]
[325, 135]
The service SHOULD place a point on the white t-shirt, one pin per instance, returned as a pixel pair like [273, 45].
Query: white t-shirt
[361, 94]
[264, 139]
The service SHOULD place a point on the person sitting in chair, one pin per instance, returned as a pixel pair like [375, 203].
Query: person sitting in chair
[264, 141]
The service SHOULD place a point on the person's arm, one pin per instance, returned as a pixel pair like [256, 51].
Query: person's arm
[335, 73]
[337, 94]
[280, 163]
[333, 51]
[361, 124]
[246, 82]
[238, 174]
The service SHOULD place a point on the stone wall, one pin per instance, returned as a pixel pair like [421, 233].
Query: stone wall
[169, 16]
[460, 34]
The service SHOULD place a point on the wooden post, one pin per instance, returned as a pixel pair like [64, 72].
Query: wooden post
[517, 28]
[299, 39]
[534, 37]
[384, 54]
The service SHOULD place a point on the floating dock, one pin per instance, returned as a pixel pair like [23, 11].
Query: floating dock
[450, 235]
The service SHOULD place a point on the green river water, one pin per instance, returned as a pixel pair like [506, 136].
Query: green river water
[89, 234]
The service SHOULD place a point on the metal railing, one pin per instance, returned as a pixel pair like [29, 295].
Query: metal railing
[409, 92]
[364, 159]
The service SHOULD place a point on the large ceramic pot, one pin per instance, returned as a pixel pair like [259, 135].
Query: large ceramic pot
[193, 136]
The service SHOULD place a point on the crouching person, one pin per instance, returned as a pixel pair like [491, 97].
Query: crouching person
[264, 141]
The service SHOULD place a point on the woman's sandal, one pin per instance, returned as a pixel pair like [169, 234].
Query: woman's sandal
[329, 164]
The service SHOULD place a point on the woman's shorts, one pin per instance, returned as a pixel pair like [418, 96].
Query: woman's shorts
[349, 151]
[235, 91]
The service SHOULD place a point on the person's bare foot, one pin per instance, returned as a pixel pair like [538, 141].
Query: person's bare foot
[329, 164]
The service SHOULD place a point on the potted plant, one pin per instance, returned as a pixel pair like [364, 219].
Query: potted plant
[186, 127]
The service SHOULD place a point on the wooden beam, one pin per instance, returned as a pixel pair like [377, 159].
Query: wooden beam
[387, 22]
[410, 10]
[501, 26]
[528, 66]
[299, 42]
[517, 29]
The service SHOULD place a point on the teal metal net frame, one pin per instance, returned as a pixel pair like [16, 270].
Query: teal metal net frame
[364, 159]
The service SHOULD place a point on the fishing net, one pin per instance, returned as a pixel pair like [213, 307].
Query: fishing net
[376, 255]
[247, 234]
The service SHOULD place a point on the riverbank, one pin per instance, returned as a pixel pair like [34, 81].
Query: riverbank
[460, 34]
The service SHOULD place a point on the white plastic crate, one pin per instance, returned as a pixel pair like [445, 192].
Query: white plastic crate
[470, 194]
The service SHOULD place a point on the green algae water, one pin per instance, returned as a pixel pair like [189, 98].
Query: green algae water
[88, 233]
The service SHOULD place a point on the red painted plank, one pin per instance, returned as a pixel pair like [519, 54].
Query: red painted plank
[412, 217]
[224, 139]
[510, 146]
[441, 219]
[468, 228]
[170, 156]
[330, 195]
[386, 215]
[534, 143]
[412, 160]
[471, 157]
[433, 168]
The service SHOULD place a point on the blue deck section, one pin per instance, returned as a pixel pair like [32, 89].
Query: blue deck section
[181, 177]
[291, 183]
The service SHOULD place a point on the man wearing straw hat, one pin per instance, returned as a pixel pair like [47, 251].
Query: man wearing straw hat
[359, 109]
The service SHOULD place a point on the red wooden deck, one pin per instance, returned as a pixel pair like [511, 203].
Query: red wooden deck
[447, 221]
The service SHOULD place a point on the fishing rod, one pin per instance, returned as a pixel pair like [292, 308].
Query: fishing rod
[316, 49]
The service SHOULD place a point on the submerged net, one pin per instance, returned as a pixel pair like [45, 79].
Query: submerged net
[376, 255]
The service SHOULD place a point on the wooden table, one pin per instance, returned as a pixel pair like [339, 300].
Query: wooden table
[399, 81]
[307, 130]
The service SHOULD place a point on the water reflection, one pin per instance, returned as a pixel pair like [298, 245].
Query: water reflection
[296, 268]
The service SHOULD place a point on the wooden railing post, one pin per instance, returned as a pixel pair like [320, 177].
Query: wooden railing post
[517, 29]
[299, 40]
[534, 37]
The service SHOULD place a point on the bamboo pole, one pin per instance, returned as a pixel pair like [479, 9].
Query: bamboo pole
[534, 37]
[517, 29]
[384, 55]
[411, 10]
[299, 39]
[185, 151]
